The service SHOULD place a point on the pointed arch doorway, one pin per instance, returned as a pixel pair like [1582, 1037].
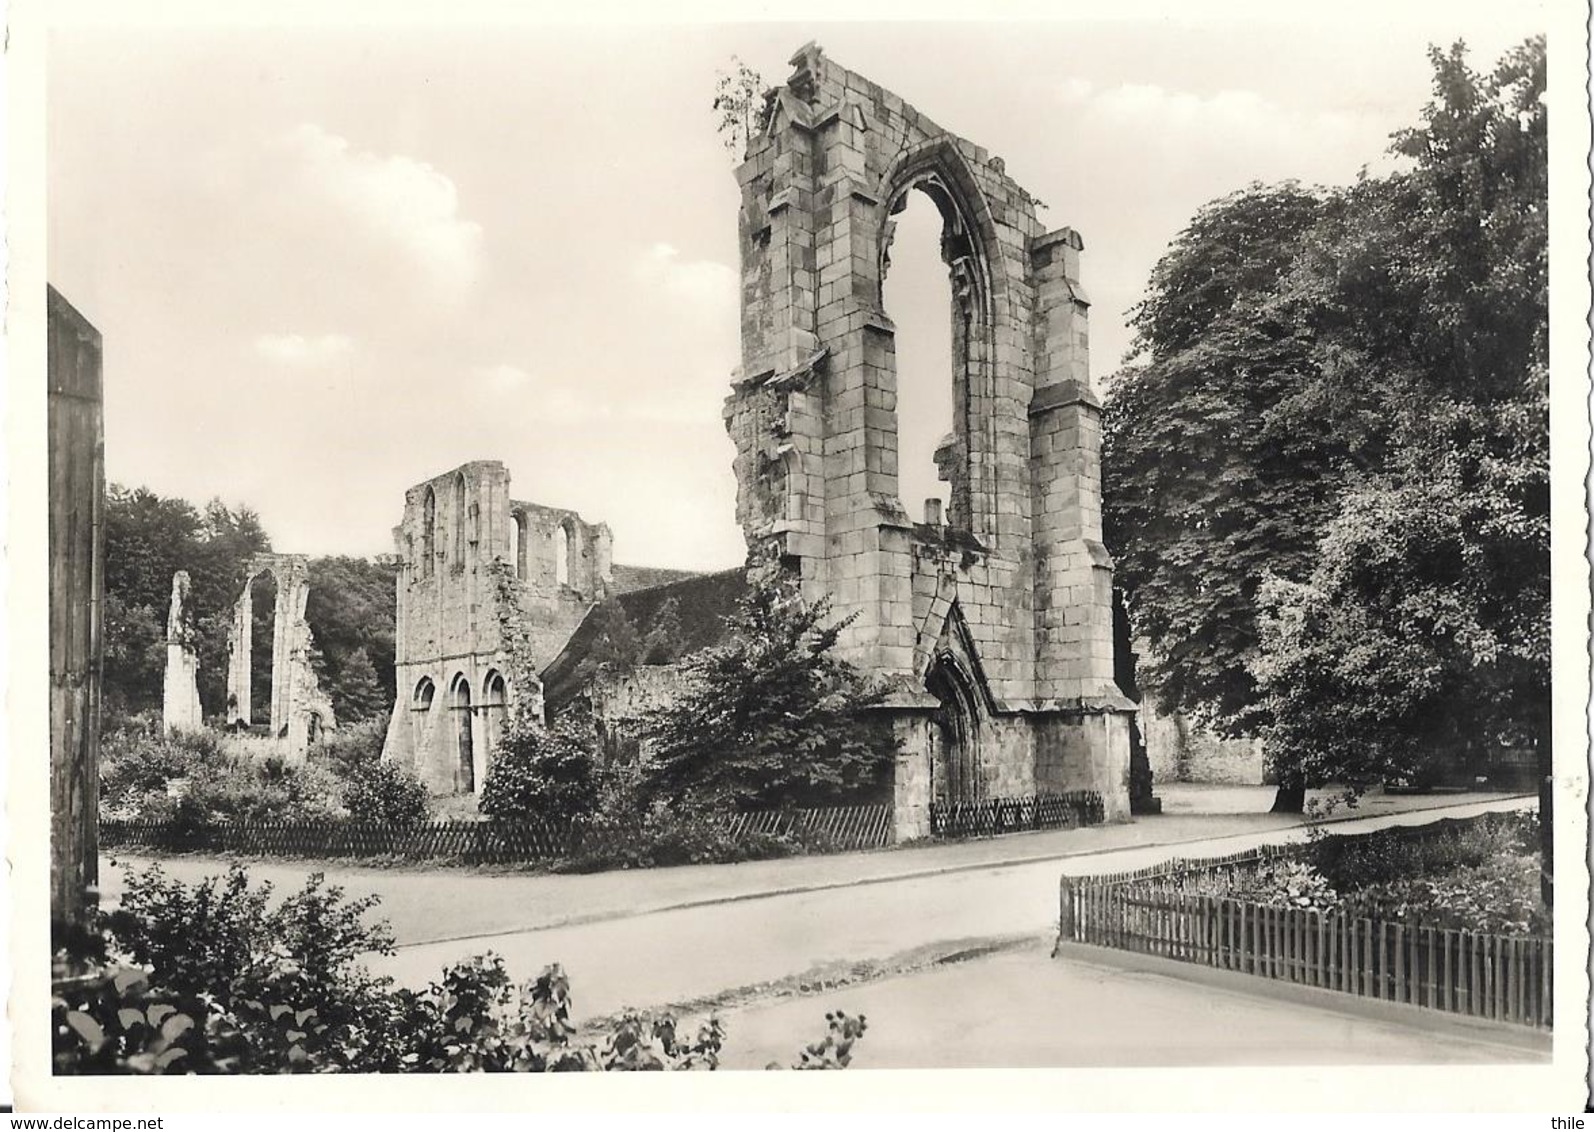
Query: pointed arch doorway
[955, 773]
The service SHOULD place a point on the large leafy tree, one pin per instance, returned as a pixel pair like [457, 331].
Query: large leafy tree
[1424, 625]
[1209, 483]
[770, 717]
[1316, 374]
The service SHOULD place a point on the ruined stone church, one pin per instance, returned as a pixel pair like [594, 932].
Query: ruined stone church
[995, 623]
[992, 620]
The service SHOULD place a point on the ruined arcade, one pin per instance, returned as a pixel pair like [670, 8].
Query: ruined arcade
[993, 621]
[300, 710]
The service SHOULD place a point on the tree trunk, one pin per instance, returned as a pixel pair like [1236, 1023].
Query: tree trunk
[1290, 799]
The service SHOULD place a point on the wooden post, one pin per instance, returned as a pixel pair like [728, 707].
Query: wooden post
[76, 455]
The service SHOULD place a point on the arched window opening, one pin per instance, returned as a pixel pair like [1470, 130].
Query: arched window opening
[917, 294]
[262, 650]
[465, 772]
[517, 549]
[561, 556]
[495, 701]
[428, 533]
[424, 693]
[459, 520]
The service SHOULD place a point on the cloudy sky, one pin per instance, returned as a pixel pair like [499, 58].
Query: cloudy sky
[330, 263]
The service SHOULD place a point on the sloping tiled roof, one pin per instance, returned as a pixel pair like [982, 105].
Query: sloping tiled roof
[703, 602]
[628, 578]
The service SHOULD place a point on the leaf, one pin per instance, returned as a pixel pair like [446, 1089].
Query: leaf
[128, 977]
[279, 1010]
[87, 1028]
[129, 1017]
[165, 1060]
[175, 1026]
[158, 1011]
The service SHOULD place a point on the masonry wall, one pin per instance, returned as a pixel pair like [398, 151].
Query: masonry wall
[465, 547]
[1016, 569]
[1183, 751]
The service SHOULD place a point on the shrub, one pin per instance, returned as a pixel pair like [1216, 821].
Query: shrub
[348, 751]
[1479, 876]
[543, 772]
[1351, 863]
[386, 792]
[771, 717]
[228, 940]
[219, 978]
[138, 762]
[249, 789]
[189, 776]
[1275, 881]
[1500, 896]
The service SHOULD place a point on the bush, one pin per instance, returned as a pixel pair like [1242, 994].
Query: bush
[138, 762]
[188, 776]
[1388, 855]
[348, 751]
[219, 978]
[243, 788]
[1274, 881]
[551, 773]
[386, 792]
[1479, 876]
[259, 960]
[1500, 896]
[771, 717]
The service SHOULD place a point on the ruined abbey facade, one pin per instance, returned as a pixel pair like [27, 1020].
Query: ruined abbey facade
[992, 621]
[489, 590]
[994, 624]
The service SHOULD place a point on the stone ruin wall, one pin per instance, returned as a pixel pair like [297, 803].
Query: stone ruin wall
[620, 700]
[180, 708]
[300, 710]
[1012, 591]
[450, 653]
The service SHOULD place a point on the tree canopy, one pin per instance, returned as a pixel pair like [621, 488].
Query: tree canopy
[770, 717]
[1325, 468]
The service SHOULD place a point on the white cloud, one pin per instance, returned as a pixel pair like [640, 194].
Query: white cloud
[543, 400]
[303, 352]
[1319, 144]
[704, 284]
[395, 199]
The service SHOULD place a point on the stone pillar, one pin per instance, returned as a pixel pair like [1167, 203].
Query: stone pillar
[910, 786]
[180, 690]
[1073, 572]
[240, 646]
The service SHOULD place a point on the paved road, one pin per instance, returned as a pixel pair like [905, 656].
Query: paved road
[438, 904]
[1024, 1010]
[673, 956]
[671, 936]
